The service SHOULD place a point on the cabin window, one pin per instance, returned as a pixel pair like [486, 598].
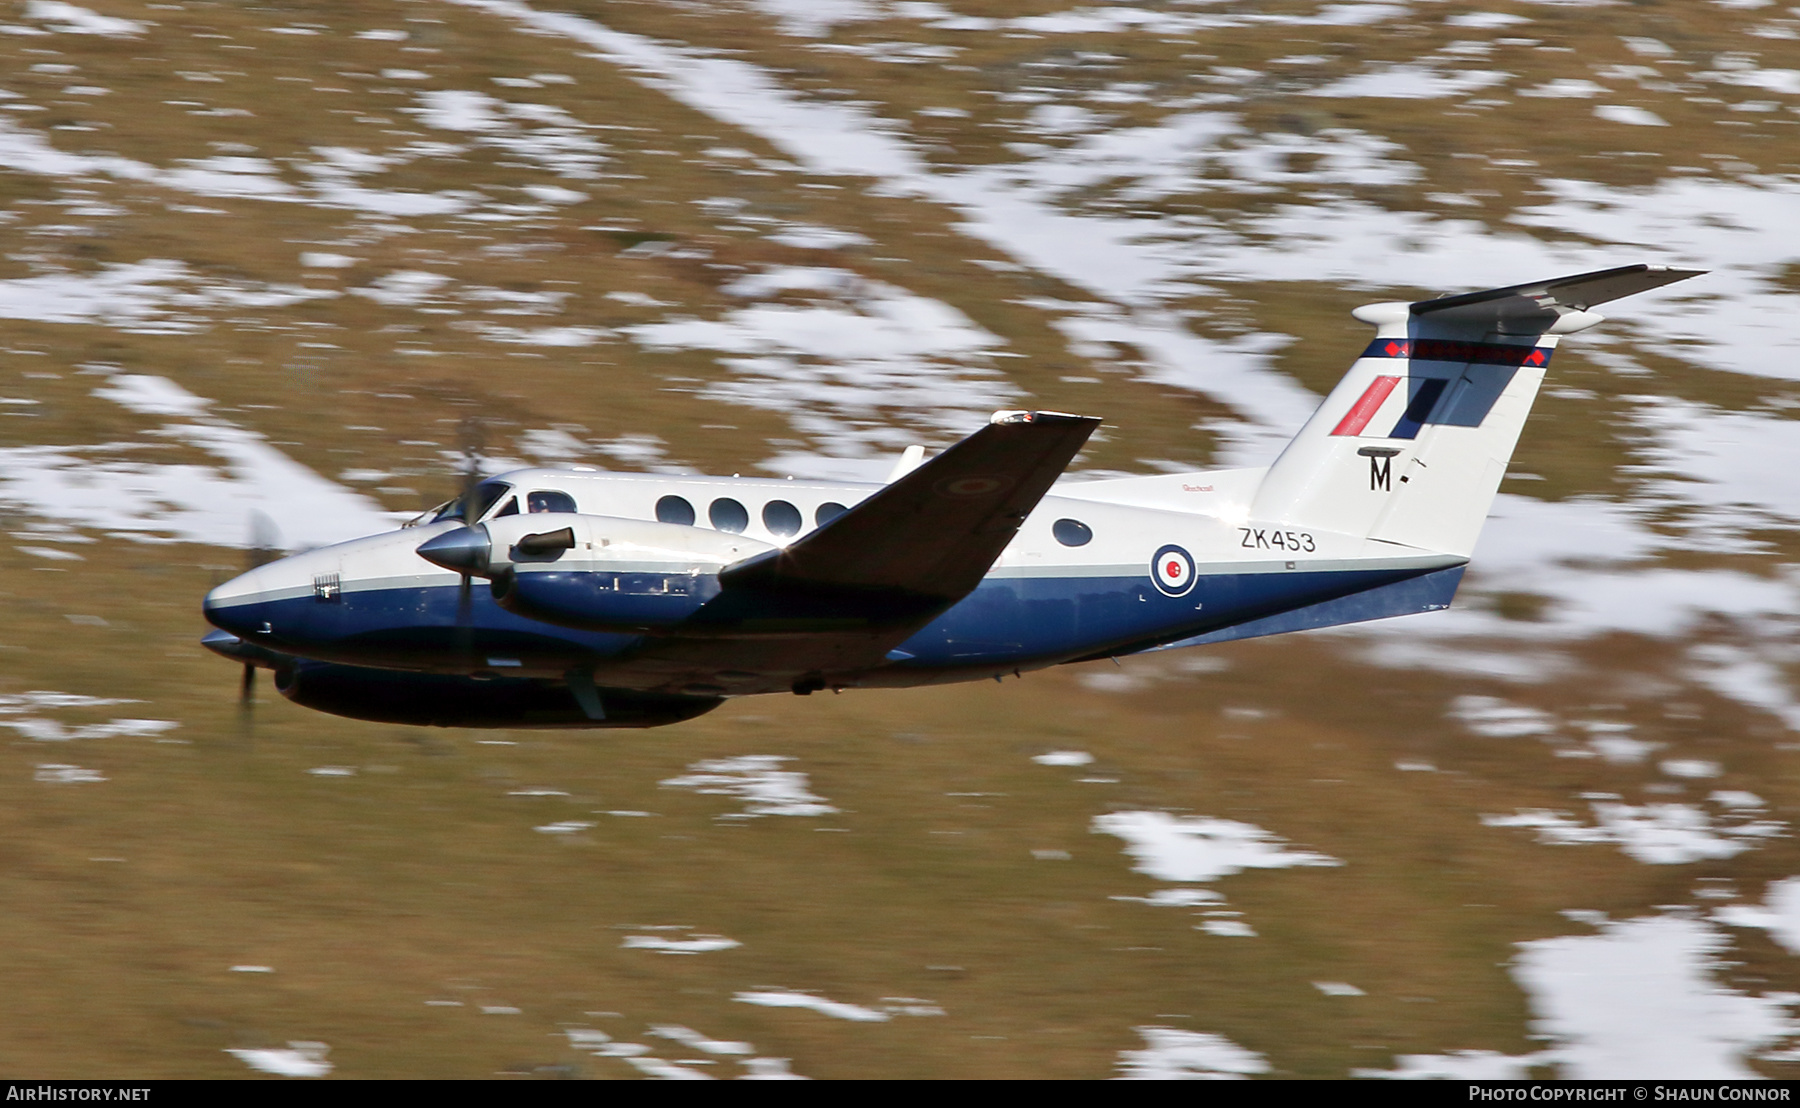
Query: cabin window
[675, 509]
[550, 502]
[782, 518]
[827, 512]
[1072, 532]
[728, 515]
[511, 509]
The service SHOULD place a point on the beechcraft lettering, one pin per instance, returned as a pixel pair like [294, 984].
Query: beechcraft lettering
[578, 598]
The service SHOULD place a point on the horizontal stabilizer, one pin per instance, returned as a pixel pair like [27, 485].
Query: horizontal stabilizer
[934, 532]
[1544, 301]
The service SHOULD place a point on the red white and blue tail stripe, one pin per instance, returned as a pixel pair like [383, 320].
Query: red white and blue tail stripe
[1422, 401]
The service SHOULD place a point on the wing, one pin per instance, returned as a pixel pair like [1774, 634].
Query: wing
[934, 533]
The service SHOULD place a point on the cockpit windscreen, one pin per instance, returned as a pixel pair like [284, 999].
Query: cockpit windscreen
[486, 495]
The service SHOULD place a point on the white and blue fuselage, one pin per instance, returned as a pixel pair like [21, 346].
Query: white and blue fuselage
[1098, 568]
[574, 597]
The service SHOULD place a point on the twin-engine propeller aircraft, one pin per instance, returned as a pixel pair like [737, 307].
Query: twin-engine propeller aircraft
[577, 598]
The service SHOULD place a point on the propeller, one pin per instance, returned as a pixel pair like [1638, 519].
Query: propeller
[264, 547]
[472, 437]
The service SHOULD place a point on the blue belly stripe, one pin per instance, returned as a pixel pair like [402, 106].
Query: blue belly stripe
[1004, 622]
[1021, 620]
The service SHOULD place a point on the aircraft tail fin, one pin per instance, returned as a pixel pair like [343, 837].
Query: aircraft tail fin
[1410, 447]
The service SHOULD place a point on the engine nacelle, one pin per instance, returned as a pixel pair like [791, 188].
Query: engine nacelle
[633, 601]
[438, 700]
[596, 573]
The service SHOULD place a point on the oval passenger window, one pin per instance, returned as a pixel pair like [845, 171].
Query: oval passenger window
[781, 518]
[728, 515]
[549, 502]
[827, 512]
[1072, 532]
[675, 509]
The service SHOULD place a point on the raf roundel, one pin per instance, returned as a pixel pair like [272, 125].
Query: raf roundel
[1173, 571]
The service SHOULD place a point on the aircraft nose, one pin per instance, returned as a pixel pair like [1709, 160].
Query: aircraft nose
[245, 604]
[464, 550]
[225, 608]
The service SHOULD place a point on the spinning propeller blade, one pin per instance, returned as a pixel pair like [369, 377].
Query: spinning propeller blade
[265, 542]
[247, 698]
[264, 547]
[473, 436]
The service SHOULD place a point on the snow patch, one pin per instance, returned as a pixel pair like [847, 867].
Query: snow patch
[1412, 82]
[759, 781]
[1495, 718]
[1200, 848]
[72, 20]
[1638, 1001]
[297, 1059]
[56, 773]
[1655, 834]
[788, 998]
[152, 297]
[95, 487]
[1779, 914]
[831, 361]
[693, 944]
[37, 726]
[1170, 1054]
[1630, 115]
